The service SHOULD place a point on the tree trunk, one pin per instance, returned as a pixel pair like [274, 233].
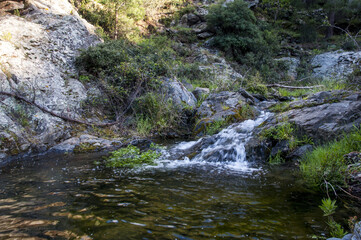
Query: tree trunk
[116, 22]
[331, 21]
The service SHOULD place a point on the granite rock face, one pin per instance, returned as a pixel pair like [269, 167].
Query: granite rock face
[37, 53]
[335, 65]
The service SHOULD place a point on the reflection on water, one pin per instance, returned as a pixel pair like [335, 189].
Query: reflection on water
[70, 198]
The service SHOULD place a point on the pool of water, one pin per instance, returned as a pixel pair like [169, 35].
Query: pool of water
[68, 197]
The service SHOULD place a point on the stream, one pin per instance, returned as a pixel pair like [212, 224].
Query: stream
[220, 193]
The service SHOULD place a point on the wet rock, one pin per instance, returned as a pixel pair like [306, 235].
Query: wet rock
[299, 152]
[179, 94]
[247, 95]
[357, 232]
[347, 237]
[222, 107]
[282, 147]
[334, 65]
[141, 143]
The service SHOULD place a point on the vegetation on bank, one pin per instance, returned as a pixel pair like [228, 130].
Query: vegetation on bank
[129, 76]
[329, 207]
[325, 167]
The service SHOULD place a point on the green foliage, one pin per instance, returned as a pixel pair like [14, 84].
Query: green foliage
[215, 127]
[277, 159]
[326, 163]
[283, 131]
[120, 18]
[184, 35]
[144, 125]
[254, 84]
[328, 206]
[155, 113]
[240, 35]
[131, 157]
[236, 27]
[120, 68]
[336, 230]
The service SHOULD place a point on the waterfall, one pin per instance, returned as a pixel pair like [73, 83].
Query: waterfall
[224, 149]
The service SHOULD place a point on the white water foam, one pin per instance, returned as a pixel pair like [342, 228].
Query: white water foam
[227, 148]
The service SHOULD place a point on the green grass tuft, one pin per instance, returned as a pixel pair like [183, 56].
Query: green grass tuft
[326, 163]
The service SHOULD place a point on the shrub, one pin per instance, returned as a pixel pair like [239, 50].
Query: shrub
[131, 157]
[240, 35]
[236, 27]
[123, 70]
[326, 164]
[156, 113]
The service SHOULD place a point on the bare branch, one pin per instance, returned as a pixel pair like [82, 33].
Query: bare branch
[65, 118]
[293, 87]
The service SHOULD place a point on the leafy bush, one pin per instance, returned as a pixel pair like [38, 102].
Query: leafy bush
[131, 157]
[326, 163]
[241, 36]
[236, 27]
[123, 70]
[155, 113]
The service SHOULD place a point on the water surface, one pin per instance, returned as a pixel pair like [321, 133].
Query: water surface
[65, 197]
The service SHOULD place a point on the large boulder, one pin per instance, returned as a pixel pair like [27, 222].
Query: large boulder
[37, 53]
[178, 93]
[326, 115]
[335, 65]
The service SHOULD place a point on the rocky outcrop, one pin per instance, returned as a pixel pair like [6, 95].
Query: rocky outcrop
[178, 93]
[335, 65]
[223, 107]
[325, 115]
[37, 53]
[322, 117]
[197, 22]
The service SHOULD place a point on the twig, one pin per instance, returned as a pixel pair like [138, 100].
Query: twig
[293, 87]
[349, 193]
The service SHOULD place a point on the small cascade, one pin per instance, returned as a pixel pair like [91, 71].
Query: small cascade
[225, 149]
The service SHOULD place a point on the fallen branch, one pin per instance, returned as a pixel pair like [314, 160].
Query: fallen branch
[293, 87]
[65, 118]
